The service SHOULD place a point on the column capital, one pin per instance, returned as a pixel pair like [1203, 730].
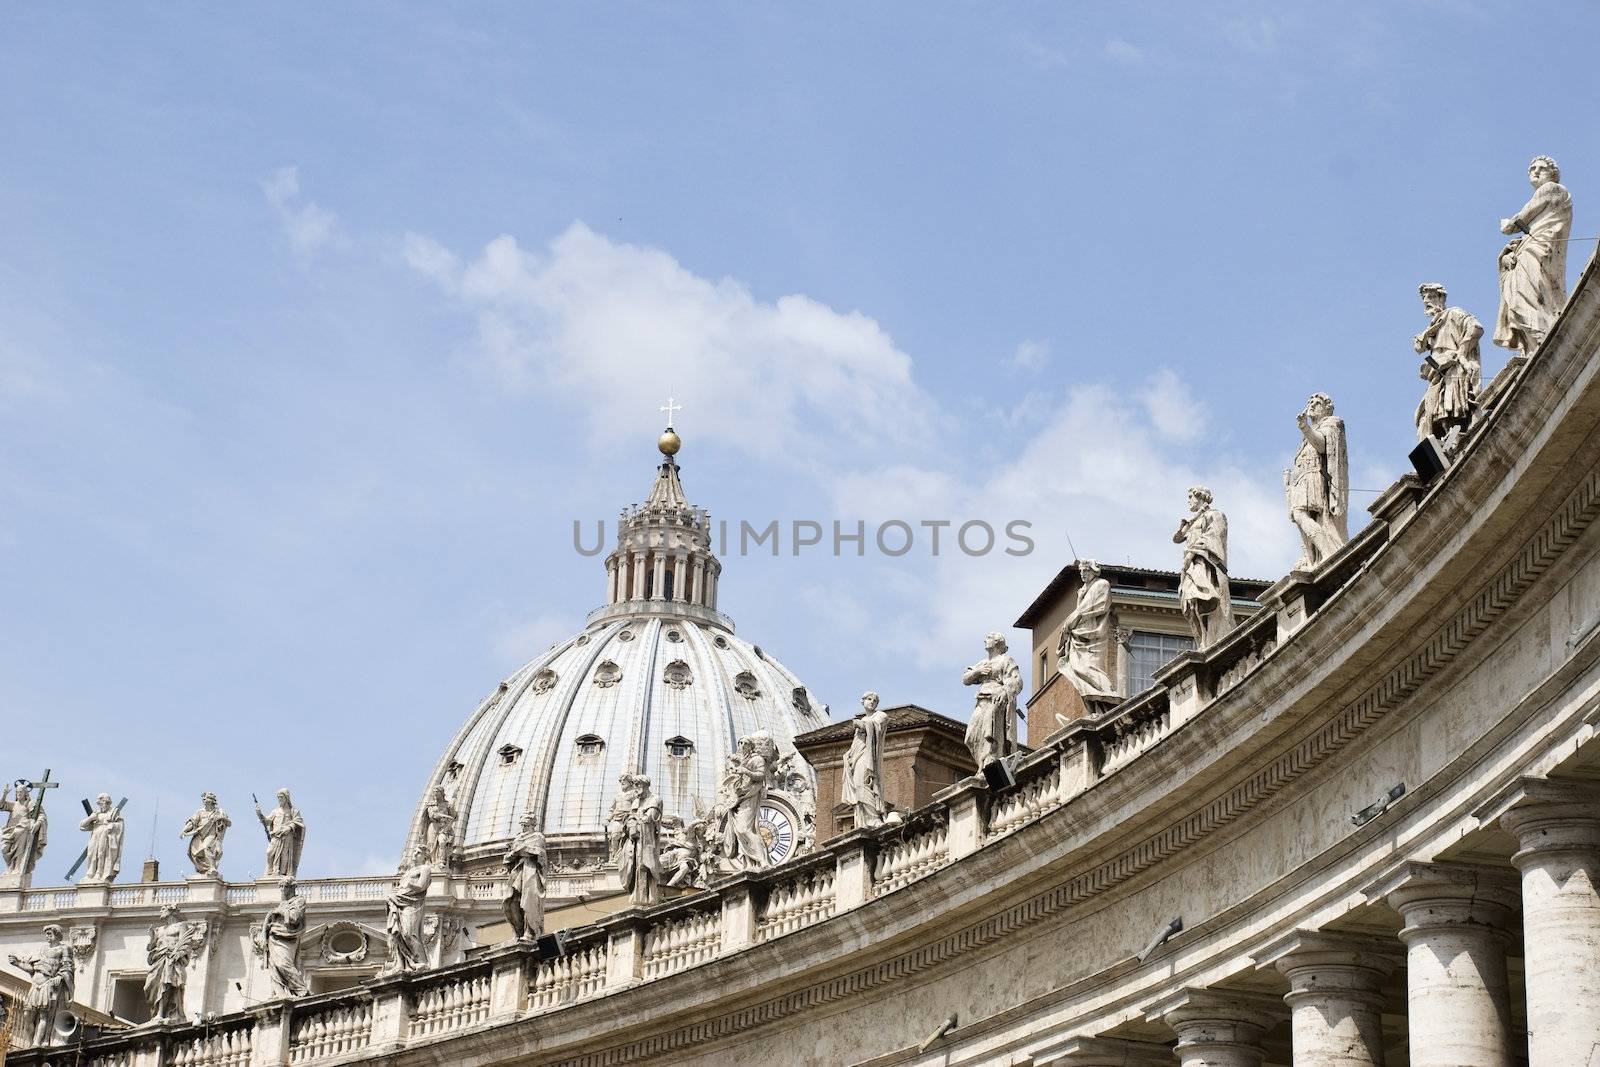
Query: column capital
[1436, 896]
[1328, 963]
[1547, 815]
[1218, 1018]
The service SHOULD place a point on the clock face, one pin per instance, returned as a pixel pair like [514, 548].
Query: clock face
[777, 829]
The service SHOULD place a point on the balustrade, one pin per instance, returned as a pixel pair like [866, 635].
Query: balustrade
[568, 978]
[914, 854]
[798, 902]
[227, 1048]
[451, 1005]
[1031, 799]
[678, 943]
[330, 1031]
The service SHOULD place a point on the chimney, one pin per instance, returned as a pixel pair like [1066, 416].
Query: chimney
[151, 872]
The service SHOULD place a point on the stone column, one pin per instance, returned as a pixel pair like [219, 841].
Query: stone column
[679, 593]
[611, 580]
[1557, 826]
[1457, 924]
[699, 592]
[638, 576]
[711, 594]
[658, 579]
[1335, 996]
[1219, 1028]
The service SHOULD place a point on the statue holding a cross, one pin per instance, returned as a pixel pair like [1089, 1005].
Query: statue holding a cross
[26, 831]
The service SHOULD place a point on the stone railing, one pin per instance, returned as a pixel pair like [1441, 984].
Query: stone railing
[915, 851]
[797, 901]
[680, 942]
[742, 913]
[451, 1005]
[331, 1030]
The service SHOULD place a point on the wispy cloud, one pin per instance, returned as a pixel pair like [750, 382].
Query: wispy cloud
[1172, 407]
[1258, 34]
[309, 228]
[1124, 52]
[1030, 356]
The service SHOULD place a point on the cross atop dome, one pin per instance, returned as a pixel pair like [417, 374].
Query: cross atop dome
[669, 441]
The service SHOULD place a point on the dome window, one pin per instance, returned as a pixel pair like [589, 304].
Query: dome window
[590, 745]
[583, 639]
[802, 700]
[625, 635]
[607, 674]
[674, 635]
[720, 642]
[544, 681]
[744, 683]
[680, 747]
[509, 754]
[677, 675]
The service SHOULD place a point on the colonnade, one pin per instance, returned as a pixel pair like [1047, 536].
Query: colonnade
[642, 575]
[1458, 922]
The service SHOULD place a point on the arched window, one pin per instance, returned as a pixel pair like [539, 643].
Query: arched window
[590, 744]
[680, 747]
[509, 754]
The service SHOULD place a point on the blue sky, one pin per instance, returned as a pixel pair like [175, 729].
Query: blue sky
[320, 324]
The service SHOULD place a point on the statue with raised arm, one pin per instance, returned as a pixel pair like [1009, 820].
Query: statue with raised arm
[862, 785]
[1533, 267]
[747, 780]
[407, 952]
[992, 731]
[205, 830]
[1081, 654]
[26, 832]
[104, 855]
[51, 977]
[526, 865]
[174, 943]
[279, 944]
[1203, 591]
[1450, 365]
[286, 837]
[1318, 485]
[439, 835]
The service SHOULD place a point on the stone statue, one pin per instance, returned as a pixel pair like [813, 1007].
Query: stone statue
[205, 831]
[1085, 639]
[525, 874]
[279, 945]
[621, 811]
[172, 948]
[863, 764]
[992, 731]
[1318, 485]
[286, 837]
[1450, 365]
[440, 832]
[51, 978]
[640, 856]
[26, 832]
[747, 779]
[407, 952]
[683, 859]
[1533, 267]
[1203, 591]
[103, 858]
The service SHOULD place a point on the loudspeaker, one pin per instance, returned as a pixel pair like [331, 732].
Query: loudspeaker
[1428, 459]
[66, 1025]
[999, 775]
[550, 946]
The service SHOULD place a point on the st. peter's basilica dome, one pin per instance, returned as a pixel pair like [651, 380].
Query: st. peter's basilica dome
[656, 683]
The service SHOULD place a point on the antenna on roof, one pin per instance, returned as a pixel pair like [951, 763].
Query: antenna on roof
[155, 821]
[1070, 545]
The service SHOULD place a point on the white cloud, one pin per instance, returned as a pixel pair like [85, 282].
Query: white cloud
[1258, 35]
[613, 327]
[1030, 356]
[1173, 410]
[1123, 52]
[308, 227]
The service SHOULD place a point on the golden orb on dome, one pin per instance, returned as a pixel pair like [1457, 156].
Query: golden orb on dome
[669, 443]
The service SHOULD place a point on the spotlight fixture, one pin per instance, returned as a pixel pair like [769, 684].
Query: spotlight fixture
[1174, 925]
[1372, 811]
[944, 1028]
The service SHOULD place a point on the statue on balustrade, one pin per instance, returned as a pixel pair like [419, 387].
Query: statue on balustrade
[174, 944]
[1318, 485]
[749, 774]
[407, 950]
[863, 764]
[205, 831]
[617, 823]
[25, 834]
[1082, 652]
[286, 837]
[526, 866]
[992, 731]
[1533, 267]
[1203, 591]
[639, 858]
[1450, 366]
[278, 943]
[51, 978]
[686, 855]
[440, 833]
[106, 829]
